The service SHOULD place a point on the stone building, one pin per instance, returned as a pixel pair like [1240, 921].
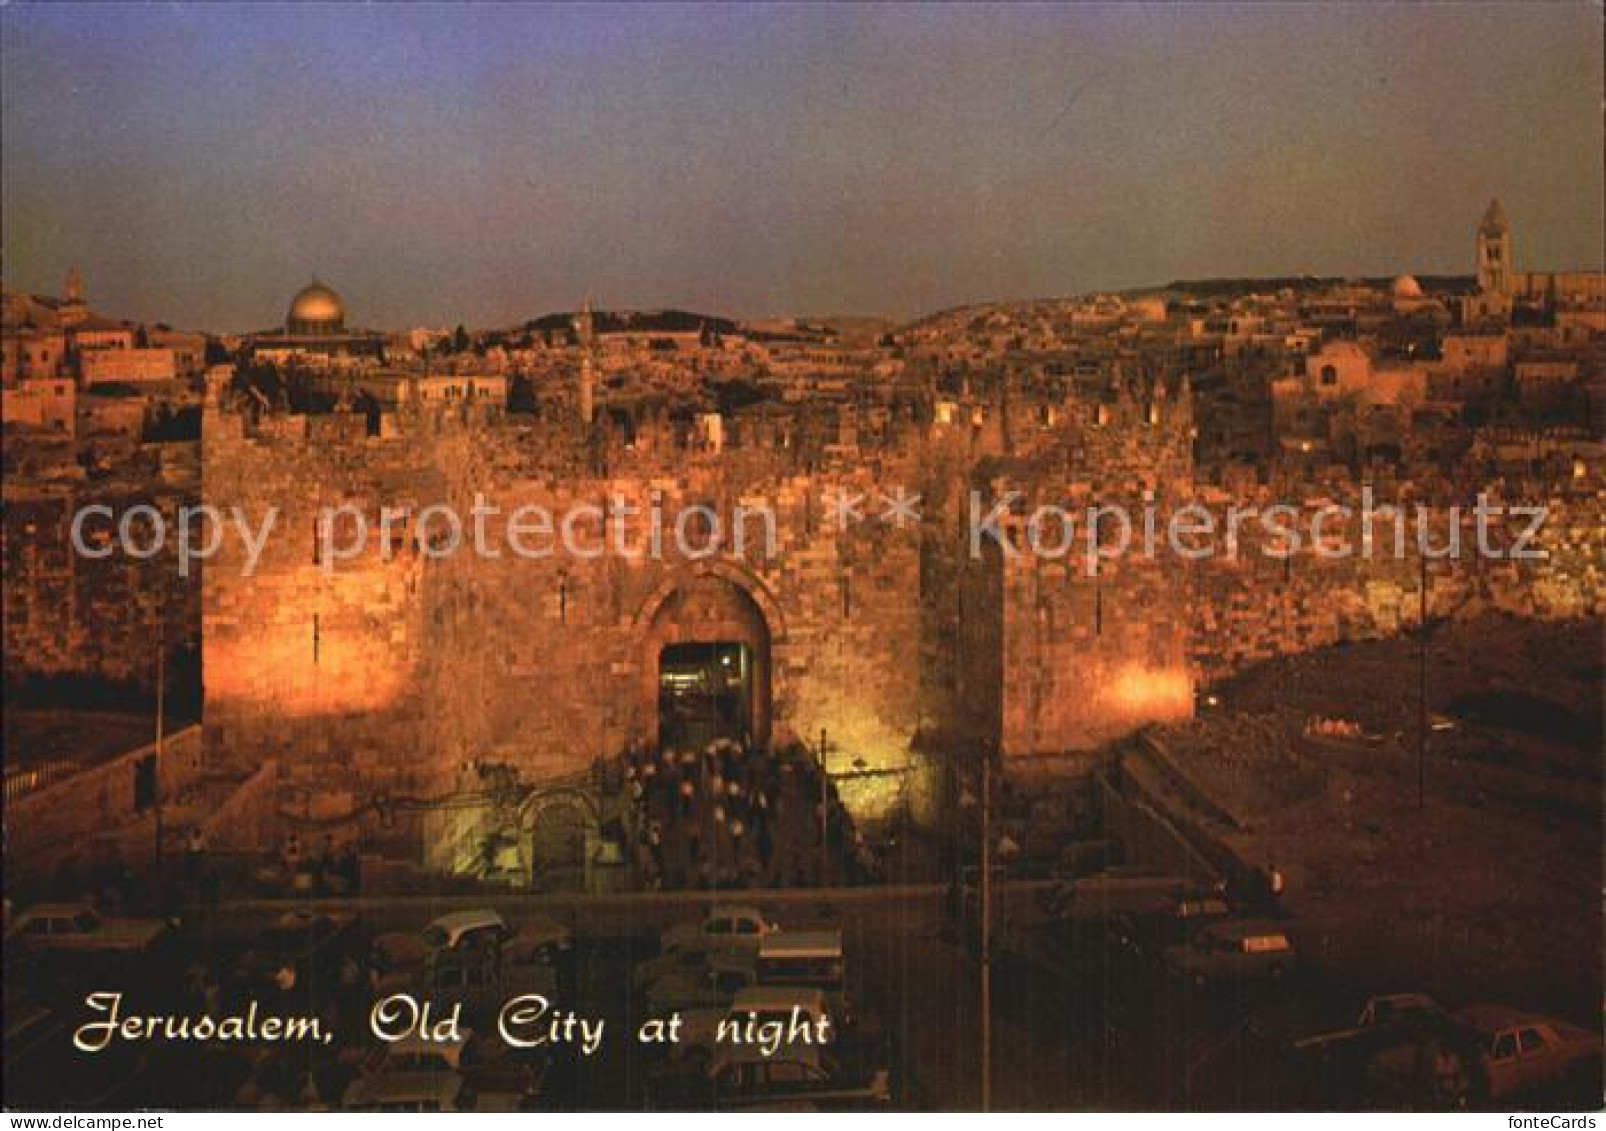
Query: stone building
[315, 332]
[1501, 287]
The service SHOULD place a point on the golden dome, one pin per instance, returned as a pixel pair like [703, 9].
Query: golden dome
[316, 309]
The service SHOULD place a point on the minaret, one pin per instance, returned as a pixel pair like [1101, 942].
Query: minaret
[585, 328]
[1494, 252]
[73, 308]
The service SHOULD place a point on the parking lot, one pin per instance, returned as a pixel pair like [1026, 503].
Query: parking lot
[1078, 1019]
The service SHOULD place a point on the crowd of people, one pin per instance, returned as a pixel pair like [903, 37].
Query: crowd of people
[728, 816]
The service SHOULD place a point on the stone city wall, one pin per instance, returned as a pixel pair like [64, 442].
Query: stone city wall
[71, 615]
[92, 802]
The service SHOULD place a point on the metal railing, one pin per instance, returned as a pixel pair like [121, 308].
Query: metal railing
[20, 783]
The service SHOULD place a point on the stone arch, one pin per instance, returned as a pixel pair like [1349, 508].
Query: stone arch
[755, 590]
[554, 828]
[707, 603]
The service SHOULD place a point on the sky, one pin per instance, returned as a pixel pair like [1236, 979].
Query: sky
[485, 164]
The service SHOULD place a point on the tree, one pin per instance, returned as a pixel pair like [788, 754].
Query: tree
[521, 395]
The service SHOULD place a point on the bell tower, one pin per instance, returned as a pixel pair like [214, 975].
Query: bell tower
[74, 309]
[1494, 252]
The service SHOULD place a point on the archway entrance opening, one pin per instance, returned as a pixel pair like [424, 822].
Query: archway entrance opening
[706, 669]
[705, 692]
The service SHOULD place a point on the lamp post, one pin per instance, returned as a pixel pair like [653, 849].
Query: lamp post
[1422, 690]
[825, 809]
[986, 933]
[161, 720]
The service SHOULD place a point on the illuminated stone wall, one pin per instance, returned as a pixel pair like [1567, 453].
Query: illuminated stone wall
[1057, 656]
[319, 669]
[390, 674]
[395, 674]
[71, 615]
[1257, 607]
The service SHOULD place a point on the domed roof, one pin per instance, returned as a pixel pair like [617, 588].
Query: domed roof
[316, 303]
[1406, 286]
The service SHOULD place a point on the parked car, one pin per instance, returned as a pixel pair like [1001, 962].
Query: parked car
[1404, 1052]
[479, 980]
[461, 930]
[713, 984]
[468, 979]
[650, 971]
[810, 959]
[409, 1092]
[778, 1016]
[1233, 950]
[480, 1075]
[1172, 925]
[300, 950]
[723, 926]
[738, 1079]
[300, 1078]
[1132, 889]
[1526, 1050]
[1395, 1009]
[534, 963]
[1384, 1011]
[77, 928]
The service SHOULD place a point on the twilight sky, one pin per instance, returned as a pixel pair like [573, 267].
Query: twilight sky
[486, 164]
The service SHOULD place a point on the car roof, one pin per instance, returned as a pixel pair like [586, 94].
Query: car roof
[733, 959]
[768, 999]
[57, 909]
[459, 920]
[537, 926]
[1403, 998]
[1491, 1018]
[754, 1054]
[801, 943]
[413, 1043]
[734, 911]
[1244, 929]
[393, 1086]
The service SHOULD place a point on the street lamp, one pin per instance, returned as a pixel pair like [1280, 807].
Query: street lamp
[161, 721]
[1422, 691]
[986, 924]
[986, 932]
[825, 809]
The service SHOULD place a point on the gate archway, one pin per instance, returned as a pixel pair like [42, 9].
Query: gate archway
[707, 667]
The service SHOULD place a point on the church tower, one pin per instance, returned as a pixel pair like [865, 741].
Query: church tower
[1494, 252]
[73, 309]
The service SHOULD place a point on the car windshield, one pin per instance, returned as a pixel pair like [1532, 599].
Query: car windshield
[435, 935]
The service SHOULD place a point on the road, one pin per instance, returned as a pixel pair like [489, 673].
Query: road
[1078, 1023]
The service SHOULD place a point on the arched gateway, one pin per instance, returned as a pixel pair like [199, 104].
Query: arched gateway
[707, 669]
